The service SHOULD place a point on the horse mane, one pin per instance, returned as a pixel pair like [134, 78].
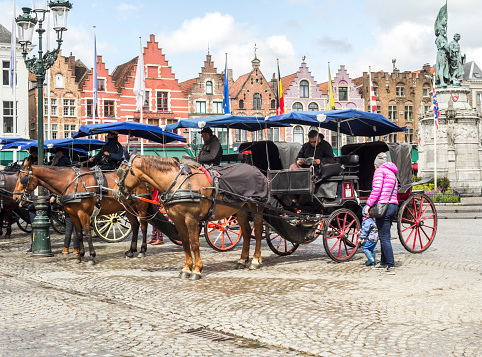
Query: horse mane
[162, 164]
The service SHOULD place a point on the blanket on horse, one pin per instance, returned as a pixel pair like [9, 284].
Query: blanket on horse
[244, 180]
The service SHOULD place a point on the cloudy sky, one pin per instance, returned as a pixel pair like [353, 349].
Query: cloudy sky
[355, 33]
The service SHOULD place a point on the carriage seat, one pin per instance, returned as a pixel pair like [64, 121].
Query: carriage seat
[351, 163]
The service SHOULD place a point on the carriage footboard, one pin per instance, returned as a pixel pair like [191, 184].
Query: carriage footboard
[161, 223]
[294, 233]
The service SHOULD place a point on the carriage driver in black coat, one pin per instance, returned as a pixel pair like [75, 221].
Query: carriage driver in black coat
[317, 148]
[111, 154]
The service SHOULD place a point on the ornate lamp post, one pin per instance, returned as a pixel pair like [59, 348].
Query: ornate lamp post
[39, 66]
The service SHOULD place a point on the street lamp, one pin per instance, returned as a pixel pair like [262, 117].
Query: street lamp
[26, 24]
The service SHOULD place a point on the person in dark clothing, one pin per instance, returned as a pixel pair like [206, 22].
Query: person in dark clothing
[211, 151]
[111, 154]
[317, 148]
[32, 157]
[69, 229]
[60, 159]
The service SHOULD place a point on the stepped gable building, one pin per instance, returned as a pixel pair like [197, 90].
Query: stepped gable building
[66, 75]
[252, 95]
[164, 103]
[473, 80]
[108, 101]
[401, 96]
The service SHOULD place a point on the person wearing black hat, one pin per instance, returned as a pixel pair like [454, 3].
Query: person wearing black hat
[60, 159]
[212, 151]
[32, 157]
[111, 154]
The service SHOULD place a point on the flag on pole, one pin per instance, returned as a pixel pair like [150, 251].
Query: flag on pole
[373, 100]
[95, 87]
[140, 81]
[331, 98]
[436, 109]
[281, 100]
[226, 108]
[13, 47]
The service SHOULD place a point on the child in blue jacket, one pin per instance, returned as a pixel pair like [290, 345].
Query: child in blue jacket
[369, 238]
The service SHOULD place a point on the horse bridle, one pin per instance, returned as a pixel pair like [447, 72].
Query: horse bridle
[122, 174]
[26, 183]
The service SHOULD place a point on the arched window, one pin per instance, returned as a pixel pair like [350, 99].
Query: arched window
[241, 104]
[304, 89]
[273, 104]
[313, 107]
[296, 107]
[298, 135]
[59, 81]
[256, 101]
[209, 87]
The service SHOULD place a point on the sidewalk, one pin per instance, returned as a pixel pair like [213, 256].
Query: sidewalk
[468, 208]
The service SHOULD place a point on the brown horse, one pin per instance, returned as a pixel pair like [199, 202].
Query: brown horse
[62, 181]
[7, 203]
[162, 173]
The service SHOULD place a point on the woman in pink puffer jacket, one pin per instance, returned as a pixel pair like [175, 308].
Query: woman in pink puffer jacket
[384, 181]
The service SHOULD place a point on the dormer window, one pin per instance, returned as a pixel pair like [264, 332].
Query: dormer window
[209, 87]
[304, 89]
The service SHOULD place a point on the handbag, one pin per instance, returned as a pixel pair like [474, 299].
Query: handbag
[380, 209]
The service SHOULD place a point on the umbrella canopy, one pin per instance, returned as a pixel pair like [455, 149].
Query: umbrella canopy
[350, 121]
[4, 140]
[15, 144]
[145, 131]
[251, 123]
[67, 143]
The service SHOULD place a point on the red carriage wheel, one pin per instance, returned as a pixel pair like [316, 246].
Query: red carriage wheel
[278, 244]
[224, 234]
[340, 235]
[417, 223]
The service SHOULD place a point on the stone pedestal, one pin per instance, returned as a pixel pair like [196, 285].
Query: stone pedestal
[458, 142]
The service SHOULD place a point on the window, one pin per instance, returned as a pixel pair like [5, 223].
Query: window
[53, 107]
[209, 87]
[426, 91]
[334, 139]
[6, 73]
[146, 101]
[304, 89]
[201, 107]
[408, 112]
[237, 135]
[375, 91]
[392, 138]
[296, 107]
[258, 135]
[69, 108]
[53, 131]
[218, 107]
[409, 136]
[69, 130]
[8, 117]
[162, 101]
[59, 81]
[273, 104]
[400, 90]
[350, 139]
[427, 108]
[273, 134]
[153, 122]
[392, 112]
[101, 84]
[298, 135]
[241, 104]
[343, 94]
[379, 109]
[313, 107]
[109, 108]
[257, 101]
[89, 108]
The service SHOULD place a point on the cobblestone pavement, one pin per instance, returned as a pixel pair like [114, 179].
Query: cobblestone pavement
[299, 305]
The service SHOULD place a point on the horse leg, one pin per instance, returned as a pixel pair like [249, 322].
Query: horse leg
[143, 223]
[243, 221]
[80, 238]
[2, 215]
[258, 234]
[85, 221]
[135, 234]
[193, 231]
[183, 233]
[8, 219]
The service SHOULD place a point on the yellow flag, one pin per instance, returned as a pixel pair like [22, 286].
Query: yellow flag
[331, 98]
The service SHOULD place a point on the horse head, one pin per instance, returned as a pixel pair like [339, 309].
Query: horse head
[126, 180]
[26, 183]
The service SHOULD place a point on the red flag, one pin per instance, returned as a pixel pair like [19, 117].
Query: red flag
[373, 100]
[281, 100]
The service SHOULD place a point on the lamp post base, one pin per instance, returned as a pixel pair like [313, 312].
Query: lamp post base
[41, 237]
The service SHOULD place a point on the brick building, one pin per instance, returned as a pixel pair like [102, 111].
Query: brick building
[251, 94]
[400, 97]
[66, 74]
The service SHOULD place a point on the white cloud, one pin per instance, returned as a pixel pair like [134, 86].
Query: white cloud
[126, 11]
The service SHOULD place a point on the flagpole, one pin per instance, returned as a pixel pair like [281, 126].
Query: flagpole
[434, 144]
[14, 88]
[49, 128]
[94, 82]
[142, 104]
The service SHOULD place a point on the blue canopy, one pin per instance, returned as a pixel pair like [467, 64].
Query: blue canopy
[251, 123]
[145, 131]
[52, 145]
[350, 121]
[4, 140]
[15, 144]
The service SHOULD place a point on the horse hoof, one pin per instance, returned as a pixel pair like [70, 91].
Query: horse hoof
[184, 275]
[240, 266]
[196, 276]
[91, 262]
[141, 255]
[77, 261]
[129, 254]
[254, 266]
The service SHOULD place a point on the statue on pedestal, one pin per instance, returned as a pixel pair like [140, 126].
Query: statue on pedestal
[456, 61]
